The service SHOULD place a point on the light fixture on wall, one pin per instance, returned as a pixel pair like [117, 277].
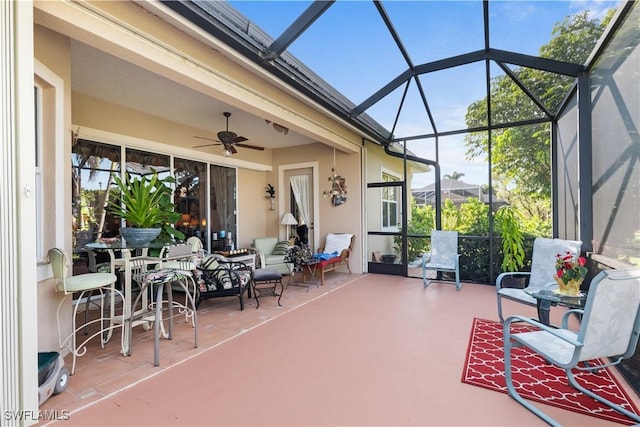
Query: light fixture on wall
[278, 128]
[288, 219]
[338, 188]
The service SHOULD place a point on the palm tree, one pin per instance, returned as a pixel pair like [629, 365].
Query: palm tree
[454, 175]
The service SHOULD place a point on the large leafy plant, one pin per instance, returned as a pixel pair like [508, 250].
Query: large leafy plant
[512, 238]
[145, 202]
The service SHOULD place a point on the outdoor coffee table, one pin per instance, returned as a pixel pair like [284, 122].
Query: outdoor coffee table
[546, 298]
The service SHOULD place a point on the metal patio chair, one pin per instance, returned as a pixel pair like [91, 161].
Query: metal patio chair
[543, 262]
[608, 330]
[443, 256]
[84, 286]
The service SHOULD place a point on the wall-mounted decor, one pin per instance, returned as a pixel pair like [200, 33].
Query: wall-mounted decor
[338, 188]
[271, 195]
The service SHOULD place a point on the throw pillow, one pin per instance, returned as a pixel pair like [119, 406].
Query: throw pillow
[281, 248]
[210, 263]
[336, 243]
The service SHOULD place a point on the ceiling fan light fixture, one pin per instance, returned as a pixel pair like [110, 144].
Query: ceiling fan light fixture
[226, 152]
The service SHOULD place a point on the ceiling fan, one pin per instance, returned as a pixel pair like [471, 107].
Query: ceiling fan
[230, 140]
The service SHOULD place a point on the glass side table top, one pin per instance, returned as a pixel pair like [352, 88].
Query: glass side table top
[552, 295]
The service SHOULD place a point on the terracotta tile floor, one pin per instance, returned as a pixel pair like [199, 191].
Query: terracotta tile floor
[362, 350]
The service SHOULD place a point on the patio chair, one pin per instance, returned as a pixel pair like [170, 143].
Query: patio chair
[196, 244]
[608, 330]
[157, 282]
[83, 285]
[443, 256]
[543, 262]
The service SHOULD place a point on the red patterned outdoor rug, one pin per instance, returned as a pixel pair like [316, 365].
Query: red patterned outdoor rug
[484, 367]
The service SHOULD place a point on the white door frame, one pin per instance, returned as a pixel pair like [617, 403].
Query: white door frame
[282, 169]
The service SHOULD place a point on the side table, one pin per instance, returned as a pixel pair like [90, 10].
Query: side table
[546, 298]
[307, 268]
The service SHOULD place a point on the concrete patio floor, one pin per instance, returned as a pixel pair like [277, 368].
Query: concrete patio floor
[362, 350]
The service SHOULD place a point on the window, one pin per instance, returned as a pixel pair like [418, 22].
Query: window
[191, 197]
[223, 207]
[390, 208]
[92, 166]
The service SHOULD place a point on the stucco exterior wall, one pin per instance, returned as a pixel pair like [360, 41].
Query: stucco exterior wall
[52, 50]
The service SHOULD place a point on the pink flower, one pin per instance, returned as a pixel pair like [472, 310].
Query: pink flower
[582, 261]
[560, 273]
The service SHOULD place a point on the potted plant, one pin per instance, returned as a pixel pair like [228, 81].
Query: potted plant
[146, 207]
[512, 245]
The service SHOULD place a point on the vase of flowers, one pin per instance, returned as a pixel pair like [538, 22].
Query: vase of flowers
[570, 273]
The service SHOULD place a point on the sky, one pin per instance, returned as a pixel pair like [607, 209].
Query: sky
[350, 48]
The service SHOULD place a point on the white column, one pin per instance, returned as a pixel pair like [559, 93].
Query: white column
[18, 334]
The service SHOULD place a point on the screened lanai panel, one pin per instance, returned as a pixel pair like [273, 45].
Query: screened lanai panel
[412, 120]
[450, 103]
[372, 55]
[616, 146]
[509, 20]
[566, 168]
[434, 30]
[512, 103]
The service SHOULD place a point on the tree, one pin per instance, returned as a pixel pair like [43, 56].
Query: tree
[521, 155]
[454, 175]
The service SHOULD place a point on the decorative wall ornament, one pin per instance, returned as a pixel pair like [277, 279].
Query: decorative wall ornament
[338, 188]
[271, 195]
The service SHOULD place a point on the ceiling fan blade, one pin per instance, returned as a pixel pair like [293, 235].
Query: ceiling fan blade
[208, 139]
[239, 139]
[253, 147]
[231, 148]
[205, 145]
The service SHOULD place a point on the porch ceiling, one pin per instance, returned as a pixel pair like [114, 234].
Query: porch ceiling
[103, 76]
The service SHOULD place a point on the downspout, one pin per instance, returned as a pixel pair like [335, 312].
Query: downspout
[435, 165]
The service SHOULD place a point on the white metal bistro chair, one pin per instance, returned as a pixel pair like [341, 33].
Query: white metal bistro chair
[85, 285]
[608, 330]
[196, 244]
[543, 261]
[443, 256]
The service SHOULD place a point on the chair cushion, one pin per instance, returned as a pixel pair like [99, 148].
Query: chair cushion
[265, 244]
[266, 274]
[337, 243]
[83, 282]
[326, 262]
[273, 259]
[210, 263]
[517, 294]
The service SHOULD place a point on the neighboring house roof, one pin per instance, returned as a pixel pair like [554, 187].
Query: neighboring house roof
[454, 189]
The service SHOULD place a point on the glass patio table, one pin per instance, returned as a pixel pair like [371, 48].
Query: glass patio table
[546, 298]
